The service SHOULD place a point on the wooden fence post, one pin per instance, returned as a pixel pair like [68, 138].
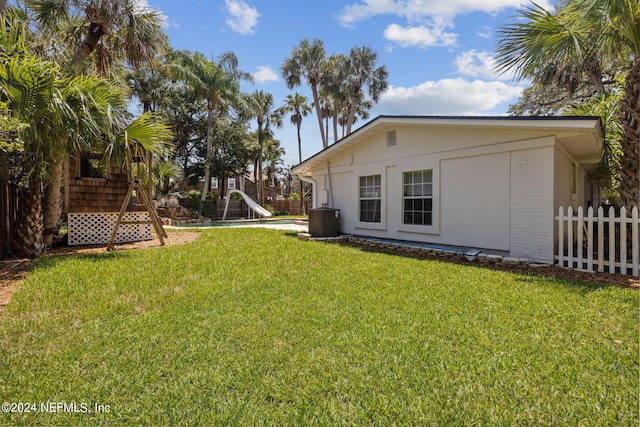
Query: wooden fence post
[560, 236]
[623, 240]
[601, 239]
[612, 240]
[636, 243]
[590, 238]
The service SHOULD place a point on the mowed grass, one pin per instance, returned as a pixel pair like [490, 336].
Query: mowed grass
[254, 327]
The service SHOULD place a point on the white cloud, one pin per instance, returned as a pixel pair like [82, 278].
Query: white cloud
[416, 10]
[243, 18]
[479, 65]
[485, 32]
[265, 74]
[426, 21]
[447, 97]
[421, 36]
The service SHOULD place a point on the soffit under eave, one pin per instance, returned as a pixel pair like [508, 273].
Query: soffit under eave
[564, 130]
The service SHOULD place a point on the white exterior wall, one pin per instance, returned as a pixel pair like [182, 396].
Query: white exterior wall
[532, 204]
[475, 201]
[492, 189]
[570, 189]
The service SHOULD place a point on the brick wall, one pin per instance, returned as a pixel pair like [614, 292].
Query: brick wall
[532, 196]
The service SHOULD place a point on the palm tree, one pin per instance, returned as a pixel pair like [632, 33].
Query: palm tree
[260, 106]
[219, 82]
[114, 29]
[578, 39]
[361, 71]
[164, 172]
[57, 108]
[273, 156]
[607, 107]
[146, 134]
[307, 61]
[297, 104]
[333, 91]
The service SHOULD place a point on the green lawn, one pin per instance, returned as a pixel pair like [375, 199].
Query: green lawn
[253, 326]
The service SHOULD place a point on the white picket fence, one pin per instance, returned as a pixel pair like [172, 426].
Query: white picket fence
[593, 242]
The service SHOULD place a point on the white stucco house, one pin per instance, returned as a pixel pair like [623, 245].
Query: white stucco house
[491, 183]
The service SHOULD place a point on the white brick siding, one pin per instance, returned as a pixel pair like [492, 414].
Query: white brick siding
[532, 193]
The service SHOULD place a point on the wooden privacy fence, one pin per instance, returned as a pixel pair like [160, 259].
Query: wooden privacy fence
[8, 216]
[239, 209]
[593, 242]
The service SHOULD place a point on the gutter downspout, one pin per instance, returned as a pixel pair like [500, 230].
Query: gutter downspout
[314, 183]
[330, 186]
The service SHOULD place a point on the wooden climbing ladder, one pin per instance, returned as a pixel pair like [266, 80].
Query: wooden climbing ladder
[153, 217]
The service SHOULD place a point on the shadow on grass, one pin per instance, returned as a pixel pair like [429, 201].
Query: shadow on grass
[51, 261]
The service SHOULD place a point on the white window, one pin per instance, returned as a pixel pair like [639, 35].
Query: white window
[232, 183]
[370, 198]
[214, 183]
[418, 197]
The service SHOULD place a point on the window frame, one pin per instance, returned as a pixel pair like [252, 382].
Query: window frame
[368, 187]
[231, 184]
[92, 155]
[378, 225]
[434, 227]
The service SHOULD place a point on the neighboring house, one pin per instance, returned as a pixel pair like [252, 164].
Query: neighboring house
[219, 187]
[492, 183]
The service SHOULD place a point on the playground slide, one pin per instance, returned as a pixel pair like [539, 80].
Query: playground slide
[249, 201]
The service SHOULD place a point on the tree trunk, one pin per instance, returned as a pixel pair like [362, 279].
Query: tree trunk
[28, 241]
[352, 109]
[259, 183]
[207, 162]
[316, 104]
[3, 8]
[630, 161]
[335, 126]
[85, 49]
[298, 124]
[51, 206]
[4, 166]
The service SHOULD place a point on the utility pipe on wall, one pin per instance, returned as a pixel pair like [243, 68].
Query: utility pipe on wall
[314, 184]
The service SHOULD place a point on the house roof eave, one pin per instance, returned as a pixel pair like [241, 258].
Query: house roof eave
[558, 125]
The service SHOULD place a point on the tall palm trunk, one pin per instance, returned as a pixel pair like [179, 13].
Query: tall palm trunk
[52, 196]
[630, 161]
[316, 103]
[207, 162]
[88, 45]
[355, 96]
[259, 183]
[52, 201]
[28, 241]
[298, 126]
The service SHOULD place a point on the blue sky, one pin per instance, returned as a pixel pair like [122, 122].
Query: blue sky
[439, 53]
